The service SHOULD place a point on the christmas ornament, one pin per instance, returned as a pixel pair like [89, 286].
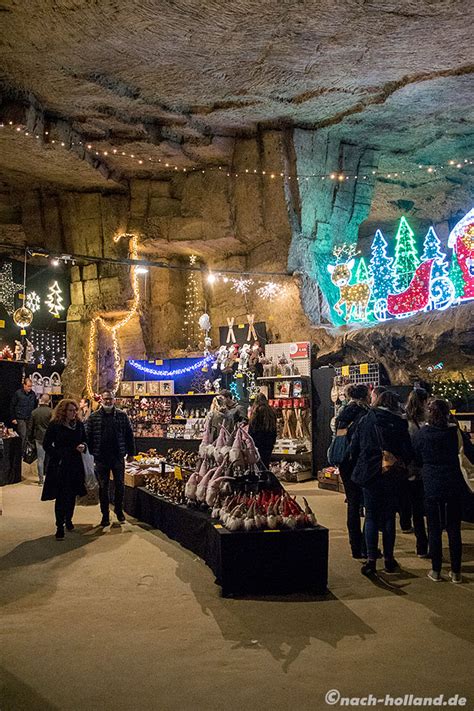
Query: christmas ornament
[23, 317]
[241, 286]
[33, 301]
[268, 291]
[8, 288]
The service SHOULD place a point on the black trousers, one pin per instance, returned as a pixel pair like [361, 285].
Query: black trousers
[418, 511]
[444, 513]
[404, 505]
[102, 471]
[64, 506]
[355, 500]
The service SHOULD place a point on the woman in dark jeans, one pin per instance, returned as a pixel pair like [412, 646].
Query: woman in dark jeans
[263, 428]
[346, 422]
[416, 412]
[64, 442]
[382, 430]
[436, 450]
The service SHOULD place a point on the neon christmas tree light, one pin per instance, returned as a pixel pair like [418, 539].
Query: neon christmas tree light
[406, 256]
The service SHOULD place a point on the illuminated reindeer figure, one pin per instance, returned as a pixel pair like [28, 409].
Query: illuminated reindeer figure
[355, 296]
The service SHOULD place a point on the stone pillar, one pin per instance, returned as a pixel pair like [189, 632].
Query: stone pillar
[324, 212]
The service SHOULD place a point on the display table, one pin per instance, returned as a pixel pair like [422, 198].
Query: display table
[257, 562]
[10, 461]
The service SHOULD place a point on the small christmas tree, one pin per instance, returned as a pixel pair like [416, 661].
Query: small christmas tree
[380, 267]
[362, 273]
[192, 307]
[406, 256]
[54, 300]
[457, 277]
[432, 250]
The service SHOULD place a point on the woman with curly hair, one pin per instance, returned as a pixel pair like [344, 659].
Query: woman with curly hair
[64, 442]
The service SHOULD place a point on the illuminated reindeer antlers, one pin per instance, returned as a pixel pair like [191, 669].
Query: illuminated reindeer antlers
[343, 252]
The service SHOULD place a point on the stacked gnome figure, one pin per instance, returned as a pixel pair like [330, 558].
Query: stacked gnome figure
[229, 482]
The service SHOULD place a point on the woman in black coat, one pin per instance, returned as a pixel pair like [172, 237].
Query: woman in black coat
[437, 451]
[263, 428]
[381, 449]
[346, 424]
[64, 442]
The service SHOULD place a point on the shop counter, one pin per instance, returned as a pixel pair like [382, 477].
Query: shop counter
[256, 562]
[10, 461]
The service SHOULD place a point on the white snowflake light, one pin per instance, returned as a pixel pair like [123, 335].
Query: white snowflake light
[241, 286]
[33, 301]
[269, 290]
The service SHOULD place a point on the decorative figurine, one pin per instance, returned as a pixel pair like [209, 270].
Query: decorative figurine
[18, 350]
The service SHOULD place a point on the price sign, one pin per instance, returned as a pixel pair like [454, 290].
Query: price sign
[178, 474]
[345, 370]
[272, 530]
[239, 375]
[158, 362]
[364, 368]
[22, 332]
[285, 451]
[2, 324]
[190, 392]
[241, 325]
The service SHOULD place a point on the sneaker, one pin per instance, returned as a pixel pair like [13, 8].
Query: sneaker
[120, 516]
[369, 568]
[435, 576]
[104, 522]
[455, 577]
[60, 533]
[423, 555]
[69, 526]
[391, 566]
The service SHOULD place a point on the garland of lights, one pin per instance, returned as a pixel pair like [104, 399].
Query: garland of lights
[171, 373]
[116, 153]
[113, 330]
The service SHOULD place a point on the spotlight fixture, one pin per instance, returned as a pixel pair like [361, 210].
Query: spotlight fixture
[55, 262]
[211, 278]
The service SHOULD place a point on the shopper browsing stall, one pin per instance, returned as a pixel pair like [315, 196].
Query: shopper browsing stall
[235, 410]
[381, 448]
[416, 412]
[64, 443]
[22, 405]
[110, 439]
[39, 421]
[263, 428]
[346, 424]
[437, 447]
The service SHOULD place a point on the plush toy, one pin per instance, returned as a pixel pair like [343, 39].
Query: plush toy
[221, 358]
[244, 357]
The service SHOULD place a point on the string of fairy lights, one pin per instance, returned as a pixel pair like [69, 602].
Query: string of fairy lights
[147, 160]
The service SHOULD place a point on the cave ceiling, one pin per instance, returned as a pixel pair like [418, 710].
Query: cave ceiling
[178, 82]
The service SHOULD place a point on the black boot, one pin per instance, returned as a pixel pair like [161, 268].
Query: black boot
[60, 533]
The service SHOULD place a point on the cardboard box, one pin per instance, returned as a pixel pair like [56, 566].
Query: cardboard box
[153, 387]
[134, 480]
[166, 387]
[328, 485]
[126, 388]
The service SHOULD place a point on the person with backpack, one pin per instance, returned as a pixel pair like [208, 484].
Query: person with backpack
[416, 412]
[381, 449]
[437, 448]
[263, 428]
[346, 423]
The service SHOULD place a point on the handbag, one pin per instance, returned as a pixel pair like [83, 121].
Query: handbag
[338, 448]
[391, 464]
[467, 468]
[90, 481]
[30, 454]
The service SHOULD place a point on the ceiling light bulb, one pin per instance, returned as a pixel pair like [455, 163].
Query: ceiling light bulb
[211, 278]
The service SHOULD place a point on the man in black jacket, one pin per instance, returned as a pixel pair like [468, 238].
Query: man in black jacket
[110, 439]
[22, 405]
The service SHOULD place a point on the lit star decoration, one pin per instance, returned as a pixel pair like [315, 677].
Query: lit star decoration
[241, 286]
[268, 291]
[33, 301]
[8, 288]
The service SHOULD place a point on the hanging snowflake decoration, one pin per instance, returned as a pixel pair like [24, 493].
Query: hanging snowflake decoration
[241, 286]
[269, 290]
[33, 301]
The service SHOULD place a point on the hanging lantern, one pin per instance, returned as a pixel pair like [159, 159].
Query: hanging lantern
[23, 317]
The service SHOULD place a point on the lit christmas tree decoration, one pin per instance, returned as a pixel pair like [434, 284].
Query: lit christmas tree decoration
[193, 308]
[406, 256]
[457, 277]
[54, 300]
[432, 250]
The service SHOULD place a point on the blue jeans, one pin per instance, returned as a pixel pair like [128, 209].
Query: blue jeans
[40, 461]
[381, 503]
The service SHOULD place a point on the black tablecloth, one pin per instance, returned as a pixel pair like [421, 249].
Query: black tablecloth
[10, 461]
[260, 561]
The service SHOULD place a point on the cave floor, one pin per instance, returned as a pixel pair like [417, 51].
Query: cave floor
[128, 619]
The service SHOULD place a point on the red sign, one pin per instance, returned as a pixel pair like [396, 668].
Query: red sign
[299, 350]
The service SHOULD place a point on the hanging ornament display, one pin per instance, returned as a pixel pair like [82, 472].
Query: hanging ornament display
[192, 308]
[241, 286]
[54, 300]
[46, 347]
[23, 317]
[33, 301]
[8, 288]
